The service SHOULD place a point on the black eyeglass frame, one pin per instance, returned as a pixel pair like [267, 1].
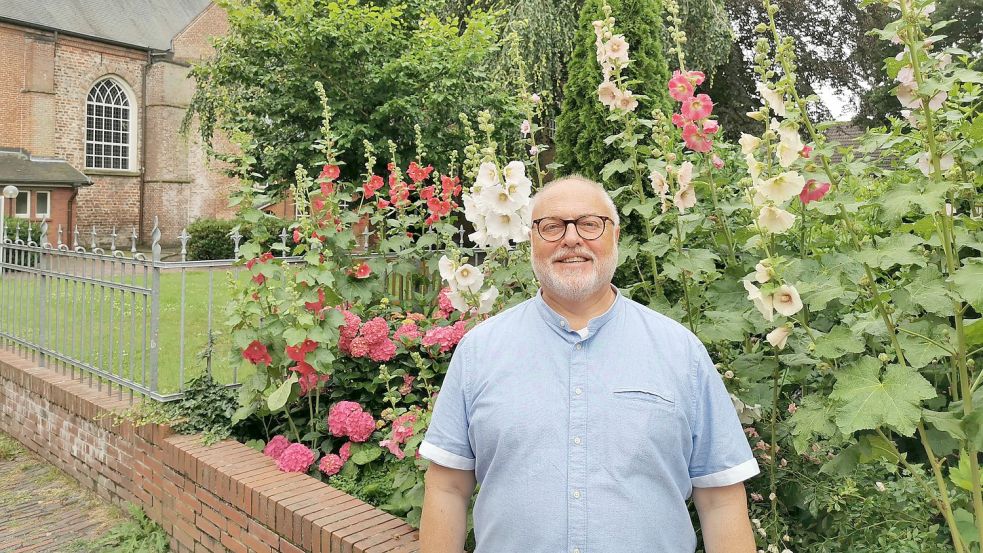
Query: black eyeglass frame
[566, 222]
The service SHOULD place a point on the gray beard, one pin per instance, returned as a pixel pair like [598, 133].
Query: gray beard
[576, 288]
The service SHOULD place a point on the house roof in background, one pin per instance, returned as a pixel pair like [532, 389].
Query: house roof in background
[17, 167]
[141, 23]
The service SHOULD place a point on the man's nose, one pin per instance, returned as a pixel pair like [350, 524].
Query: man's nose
[570, 235]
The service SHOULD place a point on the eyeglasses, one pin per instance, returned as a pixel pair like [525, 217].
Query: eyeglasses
[589, 227]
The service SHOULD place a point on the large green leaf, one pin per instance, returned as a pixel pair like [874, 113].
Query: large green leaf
[928, 291]
[944, 421]
[918, 351]
[869, 402]
[900, 201]
[279, 397]
[723, 326]
[813, 418]
[968, 282]
[839, 342]
[891, 251]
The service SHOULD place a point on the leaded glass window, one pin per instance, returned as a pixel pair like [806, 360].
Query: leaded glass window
[107, 127]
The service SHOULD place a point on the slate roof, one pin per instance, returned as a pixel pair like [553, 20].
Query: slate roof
[20, 168]
[149, 24]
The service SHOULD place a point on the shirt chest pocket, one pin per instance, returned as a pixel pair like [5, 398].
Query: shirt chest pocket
[643, 398]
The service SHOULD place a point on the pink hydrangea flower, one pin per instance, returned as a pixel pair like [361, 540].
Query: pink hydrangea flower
[296, 458]
[383, 350]
[276, 446]
[359, 347]
[361, 425]
[349, 330]
[407, 386]
[407, 332]
[338, 416]
[445, 336]
[444, 305]
[375, 330]
[330, 464]
[345, 452]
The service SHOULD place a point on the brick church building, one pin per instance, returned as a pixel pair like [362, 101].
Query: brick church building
[92, 97]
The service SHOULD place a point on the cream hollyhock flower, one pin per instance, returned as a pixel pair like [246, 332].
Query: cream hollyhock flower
[626, 101]
[782, 187]
[487, 174]
[447, 269]
[775, 220]
[519, 189]
[789, 147]
[936, 102]
[685, 198]
[772, 98]
[469, 278]
[659, 183]
[786, 300]
[617, 48]
[908, 96]
[685, 174]
[487, 300]
[925, 163]
[754, 167]
[779, 336]
[762, 271]
[762, 302]
[458, 301]
[749, 143]
[505, 226]
[607, 93]
[496, 200]
[514, 171]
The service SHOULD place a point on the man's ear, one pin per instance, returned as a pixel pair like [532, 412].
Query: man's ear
[617, 234]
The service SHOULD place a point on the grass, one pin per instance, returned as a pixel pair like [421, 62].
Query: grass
[136, 534]
[105, 328]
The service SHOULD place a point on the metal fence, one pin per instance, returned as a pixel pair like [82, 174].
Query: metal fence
[127, 321]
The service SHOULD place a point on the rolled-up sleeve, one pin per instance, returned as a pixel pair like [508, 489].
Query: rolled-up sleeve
[721, 455]
[446, 441]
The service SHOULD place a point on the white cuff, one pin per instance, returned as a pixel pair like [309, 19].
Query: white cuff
[445, 458]
[733, 475]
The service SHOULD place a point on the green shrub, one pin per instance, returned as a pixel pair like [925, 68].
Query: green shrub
[210, 237]
[138, 534]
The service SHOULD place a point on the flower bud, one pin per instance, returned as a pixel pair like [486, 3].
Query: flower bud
[883, 357]
[761, 28]
[729, 375]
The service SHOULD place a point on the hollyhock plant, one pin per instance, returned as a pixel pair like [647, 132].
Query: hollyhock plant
[257, 354]
[813, 191]
[295, 458]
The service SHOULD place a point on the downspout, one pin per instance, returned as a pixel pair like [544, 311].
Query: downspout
[71, 206]
[143, 142]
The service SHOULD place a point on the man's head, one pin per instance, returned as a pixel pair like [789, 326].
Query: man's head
[570, 266]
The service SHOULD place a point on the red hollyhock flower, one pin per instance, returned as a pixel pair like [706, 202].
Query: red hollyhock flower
[362, 270]
[330, 172]
[375, 183]
[299, 352]
[327, 188]
[316, 306]
[297, 236]
[256, 353]
[426, 192]
[417, 173]
[806, 150]
[813, 192]
[382, 203]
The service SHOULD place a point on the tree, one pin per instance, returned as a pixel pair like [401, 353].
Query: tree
[384, 70]
[582, 124]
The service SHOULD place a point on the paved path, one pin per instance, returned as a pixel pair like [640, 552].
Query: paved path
[44, 510]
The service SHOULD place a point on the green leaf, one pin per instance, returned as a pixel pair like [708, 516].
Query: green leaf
[279, 397]
[891, 251]
[294, 335]
[974, 333]
[928, 291]
[973, 428]
[968, 282]
[724, 326]
[839, 342]
[944, 421]
[874, 447]
[899, 201]
[813, 418]
[960, 475]
[868, 402]
[365, 453]
[258, 445]
[917, 350]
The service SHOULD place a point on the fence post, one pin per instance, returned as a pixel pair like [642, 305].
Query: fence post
[43, 261]
[154, 304]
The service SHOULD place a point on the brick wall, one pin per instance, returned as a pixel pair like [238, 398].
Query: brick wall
[224, 497]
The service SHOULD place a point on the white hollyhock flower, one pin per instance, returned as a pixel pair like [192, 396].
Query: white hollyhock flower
[749, 143]
[754, 167]
[487, 174]
[779, 336]
[685, 198]
[616, 48]
[908, 96]
[504, 225]
[762, 272]
[469, 278]
[519, 189]
[525, 215]
[789, 147]
[775, 220]
[659, 183]
[607, 93]
[496, 200]
[936, 102]
[458, 301]
[772, 98]
[786, 300]
[447, 268]
[782, 187]
[625, 101]
[514, 171]
[487, 300]
[762, 302]
[925, 163]
[685, 174]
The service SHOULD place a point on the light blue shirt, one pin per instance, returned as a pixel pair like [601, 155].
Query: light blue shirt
[586, 444]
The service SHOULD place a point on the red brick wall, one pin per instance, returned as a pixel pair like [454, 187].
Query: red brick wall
[224, 497]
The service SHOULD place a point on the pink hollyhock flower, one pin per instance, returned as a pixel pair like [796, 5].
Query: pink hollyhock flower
[297, 236]
[695, 140]
[275, 446]
[407, 332]
[382, 351]
[695, 77]
[330, 464]
[361, 425]
[407, 386]
[680, 88]
[317, 204]
[375, 330]
[710, 126]
[525, 127]
[678, 120]
[345, 452]
[717, 162]
[362, 270]
[256, 353]
[330, 172]
[417, 173]
[327, 188]
[403, 427]
[311, 381]
[296, 458]
[813, 192]
[382, 203]
[338, 417]
[393, 448]
[806, 151]
[698, 107]
[444, 305]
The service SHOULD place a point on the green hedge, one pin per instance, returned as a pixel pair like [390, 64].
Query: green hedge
[210, 237]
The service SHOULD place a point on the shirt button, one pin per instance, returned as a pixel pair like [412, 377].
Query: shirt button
[577, 440]
[578, 390]
[578, 346]
[576, 494]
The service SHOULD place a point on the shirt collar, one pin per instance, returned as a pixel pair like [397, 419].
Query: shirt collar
[560, 325]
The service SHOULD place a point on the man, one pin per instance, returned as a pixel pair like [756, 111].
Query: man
[588, 419]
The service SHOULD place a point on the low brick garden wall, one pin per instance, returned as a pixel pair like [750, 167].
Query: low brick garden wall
[223, 497]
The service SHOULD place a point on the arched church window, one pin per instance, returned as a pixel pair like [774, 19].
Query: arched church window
[108, 126]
